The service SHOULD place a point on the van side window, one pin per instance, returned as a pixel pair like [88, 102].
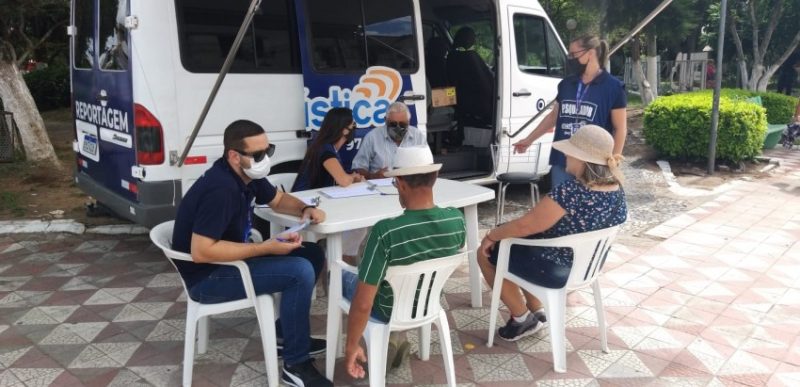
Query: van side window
[84, 39]
[207, 29]
[113, 37]
[390, 34]
[351, 35]
[538, 51]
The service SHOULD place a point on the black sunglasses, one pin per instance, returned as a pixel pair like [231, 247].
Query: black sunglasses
[259, 155]
[397, 123]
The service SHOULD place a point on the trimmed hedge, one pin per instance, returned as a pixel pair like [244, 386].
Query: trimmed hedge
[678, 126]
[780, 107]
[49, 87]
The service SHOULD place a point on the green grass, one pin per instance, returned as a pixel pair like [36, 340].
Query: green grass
[634, 101]
[10, 201]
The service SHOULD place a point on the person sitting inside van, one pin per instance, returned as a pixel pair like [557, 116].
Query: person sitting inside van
[436, 61]
[321, 166]
[378, 147]
[472, 78]
[424, 231]
[213, 225]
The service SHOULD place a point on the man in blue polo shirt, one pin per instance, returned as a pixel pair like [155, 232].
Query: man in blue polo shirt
[213, 224]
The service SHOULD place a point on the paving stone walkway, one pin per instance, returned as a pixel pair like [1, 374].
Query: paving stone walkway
[716, 303]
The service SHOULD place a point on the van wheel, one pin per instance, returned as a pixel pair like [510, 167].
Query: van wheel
[98, 210]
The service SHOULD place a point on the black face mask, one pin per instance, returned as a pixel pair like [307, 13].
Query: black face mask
[397, 130]
[574, 66]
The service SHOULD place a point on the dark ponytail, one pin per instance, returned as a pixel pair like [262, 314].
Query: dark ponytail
[602, 54]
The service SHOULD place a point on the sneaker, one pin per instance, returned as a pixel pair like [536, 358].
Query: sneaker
[317, 347]
[514, 330]
[539, 313]
[304, 375]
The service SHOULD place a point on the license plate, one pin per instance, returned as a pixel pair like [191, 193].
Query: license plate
[89, 144]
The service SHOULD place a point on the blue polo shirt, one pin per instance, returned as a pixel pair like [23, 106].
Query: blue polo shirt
[217, 206]
[592, 106]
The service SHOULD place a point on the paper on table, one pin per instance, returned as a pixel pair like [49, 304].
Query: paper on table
[349, 192]
[385, 182]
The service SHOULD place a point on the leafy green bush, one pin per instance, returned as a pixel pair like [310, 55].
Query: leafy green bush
[679, 126]
[49, 87]
[780, 108]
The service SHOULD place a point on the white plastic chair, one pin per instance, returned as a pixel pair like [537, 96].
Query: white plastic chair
[197, 313]
[590, 250]
[430, 275]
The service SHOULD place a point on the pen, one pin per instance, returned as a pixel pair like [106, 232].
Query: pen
[283, 188]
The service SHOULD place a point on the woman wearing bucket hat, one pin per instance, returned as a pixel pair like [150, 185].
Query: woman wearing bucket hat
[593, 200]
[589, 94]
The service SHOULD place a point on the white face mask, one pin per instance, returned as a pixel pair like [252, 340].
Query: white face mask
[258, 170]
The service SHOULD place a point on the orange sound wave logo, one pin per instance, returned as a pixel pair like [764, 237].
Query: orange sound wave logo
[369, 98]
[380, 82]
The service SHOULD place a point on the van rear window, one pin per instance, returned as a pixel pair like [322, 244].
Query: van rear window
[207, 29]
[351, 35]
[114, 52]
[83, 12]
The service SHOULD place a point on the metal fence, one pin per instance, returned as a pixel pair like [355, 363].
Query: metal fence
[7, 136]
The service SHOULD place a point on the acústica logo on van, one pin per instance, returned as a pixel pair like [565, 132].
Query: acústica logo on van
[369, 99]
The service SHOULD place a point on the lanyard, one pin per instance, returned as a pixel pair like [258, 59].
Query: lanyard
[580, 96]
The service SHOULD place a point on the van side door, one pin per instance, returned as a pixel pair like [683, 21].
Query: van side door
[361, 54]
[535, 66]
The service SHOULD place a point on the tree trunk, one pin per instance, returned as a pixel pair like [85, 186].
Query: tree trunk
[638, 74]
[18, 100]
[652, 63]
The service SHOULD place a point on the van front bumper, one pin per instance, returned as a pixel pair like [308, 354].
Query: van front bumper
[155, 200]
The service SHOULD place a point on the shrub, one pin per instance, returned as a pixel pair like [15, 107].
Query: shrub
[679, 126]
[49, 87]
[780, 108]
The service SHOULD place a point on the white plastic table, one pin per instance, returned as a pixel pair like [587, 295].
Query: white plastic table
[364, 211]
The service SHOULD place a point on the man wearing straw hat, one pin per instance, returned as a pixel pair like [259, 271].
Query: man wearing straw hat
[424, 231]
[592, 201]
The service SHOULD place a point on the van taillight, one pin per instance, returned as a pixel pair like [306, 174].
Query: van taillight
[149, 137]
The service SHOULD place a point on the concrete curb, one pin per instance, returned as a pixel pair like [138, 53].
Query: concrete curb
[677, 189]
[69, 226]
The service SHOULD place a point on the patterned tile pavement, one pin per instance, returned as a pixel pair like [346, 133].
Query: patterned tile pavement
[715, 303]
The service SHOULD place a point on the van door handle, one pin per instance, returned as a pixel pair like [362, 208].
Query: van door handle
[412, 97]
[102, 97]
[522, 93]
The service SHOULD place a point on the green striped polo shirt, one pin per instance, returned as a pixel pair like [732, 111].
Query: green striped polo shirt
[415, 236]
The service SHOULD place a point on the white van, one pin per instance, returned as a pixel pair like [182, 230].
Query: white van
[142, 71]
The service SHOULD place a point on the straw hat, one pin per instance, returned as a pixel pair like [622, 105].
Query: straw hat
[590, 143]
[412, 161]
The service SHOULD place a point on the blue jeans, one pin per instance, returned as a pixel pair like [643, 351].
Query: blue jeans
[349, 283]
[293, 276]
[558, 175]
